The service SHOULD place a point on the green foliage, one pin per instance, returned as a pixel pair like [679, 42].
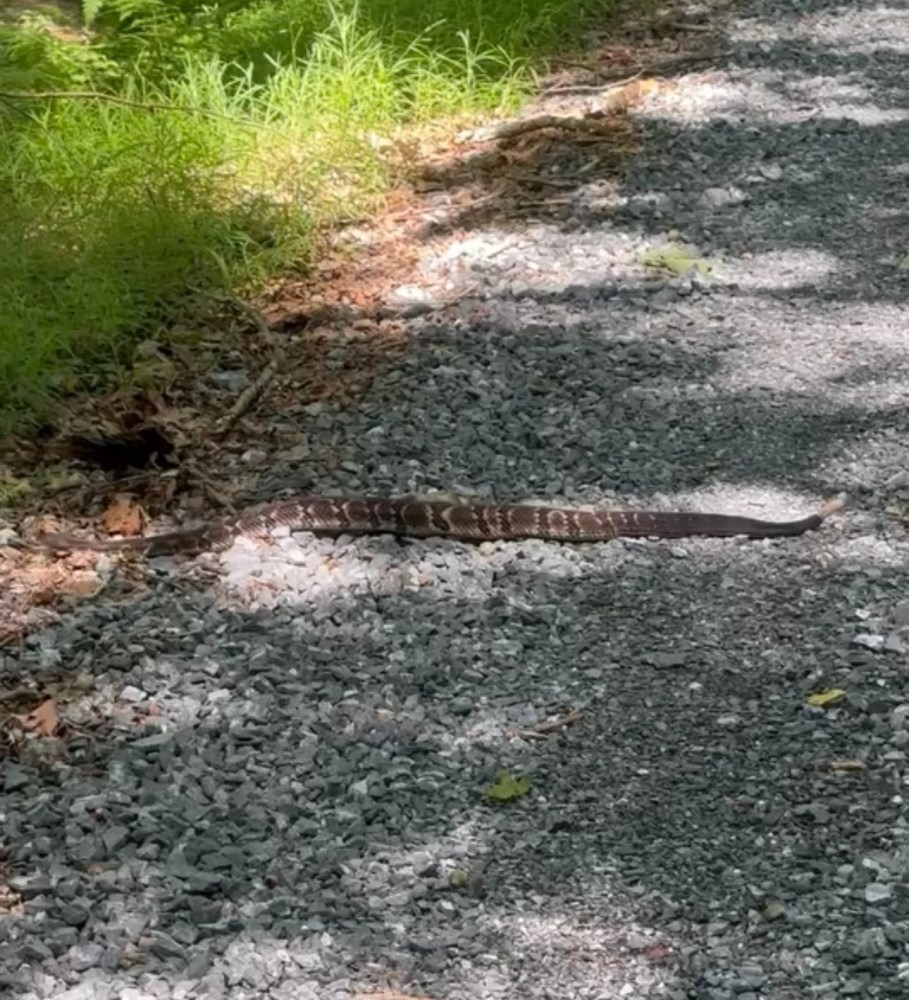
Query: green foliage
[32, 57]
[256, 119]
[113, 216]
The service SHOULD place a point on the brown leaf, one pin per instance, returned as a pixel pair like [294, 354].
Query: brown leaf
[42, 720]
[124, 516]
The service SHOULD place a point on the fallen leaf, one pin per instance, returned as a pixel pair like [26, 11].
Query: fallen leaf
[507, 787]
[676, 259]
[821, 699]
[42, 720]
[124, 516]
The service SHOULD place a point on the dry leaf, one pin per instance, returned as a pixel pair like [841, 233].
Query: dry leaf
[124, 516]
[42, 720]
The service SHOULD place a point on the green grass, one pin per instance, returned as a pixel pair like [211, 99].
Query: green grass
[116, 216]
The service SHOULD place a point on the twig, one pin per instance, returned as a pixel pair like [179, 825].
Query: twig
[543, 203]
[512, 129]
[689, 26]
[614, 99]
[592, 88]
[660, 66]
[556, 182]
[252, 392]
[542, 729]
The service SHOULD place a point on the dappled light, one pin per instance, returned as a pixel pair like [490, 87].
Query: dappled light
[595, 255]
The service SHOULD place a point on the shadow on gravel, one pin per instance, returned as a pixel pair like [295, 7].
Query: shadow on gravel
[597, 406]
[312, 782]
[831, 180]
[325, 767]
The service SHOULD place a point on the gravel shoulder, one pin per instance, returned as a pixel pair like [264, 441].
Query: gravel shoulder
[274, 784]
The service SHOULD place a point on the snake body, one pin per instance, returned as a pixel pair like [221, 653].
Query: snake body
[471, 521]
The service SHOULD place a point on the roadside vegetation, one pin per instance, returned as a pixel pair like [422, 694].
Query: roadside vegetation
[155, 153]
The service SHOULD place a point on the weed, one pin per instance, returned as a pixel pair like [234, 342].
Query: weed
[200, 146]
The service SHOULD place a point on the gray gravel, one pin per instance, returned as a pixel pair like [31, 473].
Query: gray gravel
[273, 785]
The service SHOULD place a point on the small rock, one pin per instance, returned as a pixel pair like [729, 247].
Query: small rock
[721, 197]
[897, 642]
[877, 892]
[871, 641]
[74, 914]
[234, 381]
[84, 956]
[14, 778]
[899, 718]
[771, 171]
[154, 742]
[815, 811]
[898, 480]
[114, 838]
[30, 886]
[666, 661]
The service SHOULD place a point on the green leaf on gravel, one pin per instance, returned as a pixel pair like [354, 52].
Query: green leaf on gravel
[507, 787]
[676, 259]
[821, 699]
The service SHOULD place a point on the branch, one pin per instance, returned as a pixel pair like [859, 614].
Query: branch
[509, 130]
[252, 392]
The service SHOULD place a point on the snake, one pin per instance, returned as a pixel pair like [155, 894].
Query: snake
[428, 518]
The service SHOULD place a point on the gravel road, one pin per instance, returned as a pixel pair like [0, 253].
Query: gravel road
[285, 798]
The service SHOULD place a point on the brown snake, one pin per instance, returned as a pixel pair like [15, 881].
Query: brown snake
[471, 521]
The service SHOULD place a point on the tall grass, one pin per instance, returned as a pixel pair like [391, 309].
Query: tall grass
[114, 214]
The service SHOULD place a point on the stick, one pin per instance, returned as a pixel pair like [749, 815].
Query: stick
[512, 129]
[252, 392]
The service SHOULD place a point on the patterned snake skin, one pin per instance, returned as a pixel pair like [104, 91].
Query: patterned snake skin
[444, 518]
